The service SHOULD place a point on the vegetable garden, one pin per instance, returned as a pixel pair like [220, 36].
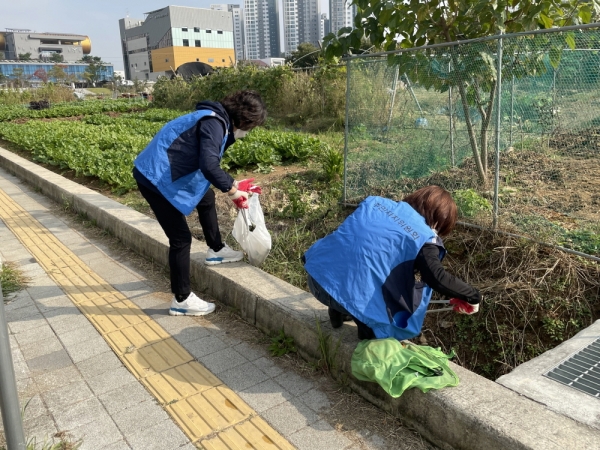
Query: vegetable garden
[524, 313]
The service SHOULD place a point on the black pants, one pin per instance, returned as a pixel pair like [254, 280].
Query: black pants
[364, 331]
[176, 228]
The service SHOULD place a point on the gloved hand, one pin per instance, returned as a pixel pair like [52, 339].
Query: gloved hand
[462, 307]
[239, 199]
[247, 186]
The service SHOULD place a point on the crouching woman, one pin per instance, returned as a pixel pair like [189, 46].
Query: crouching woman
[366, 270]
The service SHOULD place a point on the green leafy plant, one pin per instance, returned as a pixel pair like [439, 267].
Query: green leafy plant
[282, 344]
[328, 351]
[332, 162]
[470, 203]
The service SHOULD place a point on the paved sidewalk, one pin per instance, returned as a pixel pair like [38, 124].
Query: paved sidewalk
[97, 356]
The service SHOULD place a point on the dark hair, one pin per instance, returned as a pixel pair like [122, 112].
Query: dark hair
[436, 206]
[245, 109]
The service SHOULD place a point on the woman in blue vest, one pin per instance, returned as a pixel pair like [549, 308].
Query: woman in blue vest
[174, 173]
[366, 268]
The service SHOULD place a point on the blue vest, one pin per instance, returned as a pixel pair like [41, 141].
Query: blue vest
[153, 162]
[367, 265]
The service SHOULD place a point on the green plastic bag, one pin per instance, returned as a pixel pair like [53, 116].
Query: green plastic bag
[397, 366]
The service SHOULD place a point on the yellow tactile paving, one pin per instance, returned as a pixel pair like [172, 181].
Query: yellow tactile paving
[251, 434]
[181, 382]
[212, 410]
[197, 400]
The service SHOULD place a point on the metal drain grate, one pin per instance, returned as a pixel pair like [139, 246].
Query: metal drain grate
[580, 371]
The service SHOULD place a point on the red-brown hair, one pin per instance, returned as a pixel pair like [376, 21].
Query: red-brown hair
[436, 206]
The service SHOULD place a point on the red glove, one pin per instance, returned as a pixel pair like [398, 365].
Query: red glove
[239, 199]
[247, 186]
[462, 307]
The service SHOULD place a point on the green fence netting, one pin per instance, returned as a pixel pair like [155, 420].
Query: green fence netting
[409, 115]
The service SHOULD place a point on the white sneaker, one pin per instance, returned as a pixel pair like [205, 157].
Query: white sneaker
[191, 306]
[225, 255]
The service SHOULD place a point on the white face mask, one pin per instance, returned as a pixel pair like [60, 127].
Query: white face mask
[238, 134]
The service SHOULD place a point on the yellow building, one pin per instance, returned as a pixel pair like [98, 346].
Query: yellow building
[174, 35]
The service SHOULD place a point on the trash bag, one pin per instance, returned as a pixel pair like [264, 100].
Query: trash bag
[251, 232]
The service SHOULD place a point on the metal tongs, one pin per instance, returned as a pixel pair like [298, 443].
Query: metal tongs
[248, 220]
[443, 302]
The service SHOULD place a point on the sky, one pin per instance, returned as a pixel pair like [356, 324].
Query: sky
[97, 19]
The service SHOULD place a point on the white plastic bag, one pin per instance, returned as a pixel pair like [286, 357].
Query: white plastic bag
[251, 232]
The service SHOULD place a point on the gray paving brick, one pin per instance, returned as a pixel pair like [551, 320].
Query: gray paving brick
[78, 414]
[18, 301]
[290, 416]
[35, 349]
[268, 366]
[98, 434]
[243, 376]
[134, 288]
[149, 301]
[319, 435]
[183, 328]
[60, 398]
[294, 383]
[251, 352]
[139, 417]
[89, 349]
[316, 400]
[26, 388]
[110, 380]
[26, 323]
[222, 360]
[50, 380]
[33, 407]
[39, 429]
[229, 339]
[61, 326]
[265, 395]
[205, 346]
[162, 436]
[99, 364]
[20, 314]
[35, 335]
[52, 361]
[121, 445]
[125, 397]
[81, 334]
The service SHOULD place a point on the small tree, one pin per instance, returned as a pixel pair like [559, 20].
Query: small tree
[390, 24]
[42, 75]
[56, 57]
[24, 56]
[306, 55]
[95, 69]
[57, 72]
[18, 76]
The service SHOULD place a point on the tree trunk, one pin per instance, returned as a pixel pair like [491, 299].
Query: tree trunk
[472, 138]
[485, 125]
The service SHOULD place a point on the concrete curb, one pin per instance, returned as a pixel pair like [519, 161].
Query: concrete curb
[477, 414]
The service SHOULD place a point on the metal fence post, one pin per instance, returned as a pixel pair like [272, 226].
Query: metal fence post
[498, 126]
[450, 109]
[346, 131]
[9, 399]
[512, 109]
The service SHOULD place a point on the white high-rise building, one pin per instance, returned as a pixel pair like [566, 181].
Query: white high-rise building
[341, 14]
[261, 29]
[291, 27]
[324, 26]
[238, 27]
[309, 21]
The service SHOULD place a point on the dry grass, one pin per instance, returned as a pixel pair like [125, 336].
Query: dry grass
[535, 297]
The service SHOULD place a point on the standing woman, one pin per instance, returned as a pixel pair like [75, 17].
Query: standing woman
[174, 173]
[366, 268]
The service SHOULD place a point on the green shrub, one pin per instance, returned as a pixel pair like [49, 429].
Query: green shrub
[470, 203]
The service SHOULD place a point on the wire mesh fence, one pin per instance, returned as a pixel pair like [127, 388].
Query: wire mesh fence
[443, 115]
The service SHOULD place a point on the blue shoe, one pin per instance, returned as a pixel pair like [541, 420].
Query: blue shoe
[191, 306]
[225, 255]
